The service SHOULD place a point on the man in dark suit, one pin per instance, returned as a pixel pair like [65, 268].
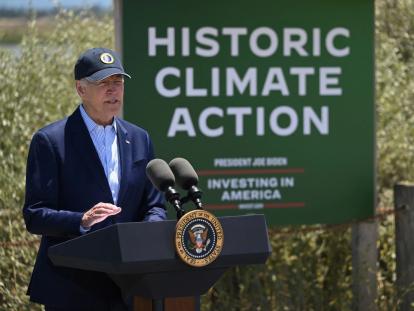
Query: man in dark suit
[86, 172]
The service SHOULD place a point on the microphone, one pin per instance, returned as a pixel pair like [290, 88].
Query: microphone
[161, 176]
[187, 179]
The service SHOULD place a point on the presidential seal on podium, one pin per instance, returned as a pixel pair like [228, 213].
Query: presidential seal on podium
[198, 238]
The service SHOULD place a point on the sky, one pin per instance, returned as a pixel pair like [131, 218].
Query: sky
[48, 4]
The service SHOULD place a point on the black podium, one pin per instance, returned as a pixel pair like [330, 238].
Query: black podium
[141, 259]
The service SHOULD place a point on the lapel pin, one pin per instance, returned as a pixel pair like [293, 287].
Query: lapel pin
[127, 141]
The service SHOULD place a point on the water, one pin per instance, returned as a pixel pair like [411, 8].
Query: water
[49, 4]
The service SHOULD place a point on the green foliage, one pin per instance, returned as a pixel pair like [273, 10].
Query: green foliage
[395, 85]
[388, 298]
[307, 270]
[36, 88]
[310, 267]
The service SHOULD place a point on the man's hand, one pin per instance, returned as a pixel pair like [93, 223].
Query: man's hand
[98, 213]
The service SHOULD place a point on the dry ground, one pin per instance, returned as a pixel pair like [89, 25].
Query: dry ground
[13, 28]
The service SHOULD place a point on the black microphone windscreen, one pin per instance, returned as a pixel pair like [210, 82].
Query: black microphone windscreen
[184, 173]
[160, 174]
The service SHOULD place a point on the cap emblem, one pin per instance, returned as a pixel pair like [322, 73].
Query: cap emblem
[107, 58]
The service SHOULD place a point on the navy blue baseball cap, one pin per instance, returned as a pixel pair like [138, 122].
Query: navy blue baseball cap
[97, 64]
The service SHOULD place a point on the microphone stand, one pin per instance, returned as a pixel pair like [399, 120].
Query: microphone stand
[173, 197]
[194, 194]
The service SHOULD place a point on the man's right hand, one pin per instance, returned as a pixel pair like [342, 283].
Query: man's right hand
[99, 213]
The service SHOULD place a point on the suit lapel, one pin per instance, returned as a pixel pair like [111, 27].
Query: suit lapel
[83, 143]
[125, 156]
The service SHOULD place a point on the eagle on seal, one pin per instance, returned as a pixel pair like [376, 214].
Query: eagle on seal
[198, 237]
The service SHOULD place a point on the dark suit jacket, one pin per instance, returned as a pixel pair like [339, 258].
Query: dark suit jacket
[65, 178]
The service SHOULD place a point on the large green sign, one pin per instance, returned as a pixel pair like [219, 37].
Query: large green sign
[272, 101]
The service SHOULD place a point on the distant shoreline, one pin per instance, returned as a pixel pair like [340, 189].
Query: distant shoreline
[27, 11]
